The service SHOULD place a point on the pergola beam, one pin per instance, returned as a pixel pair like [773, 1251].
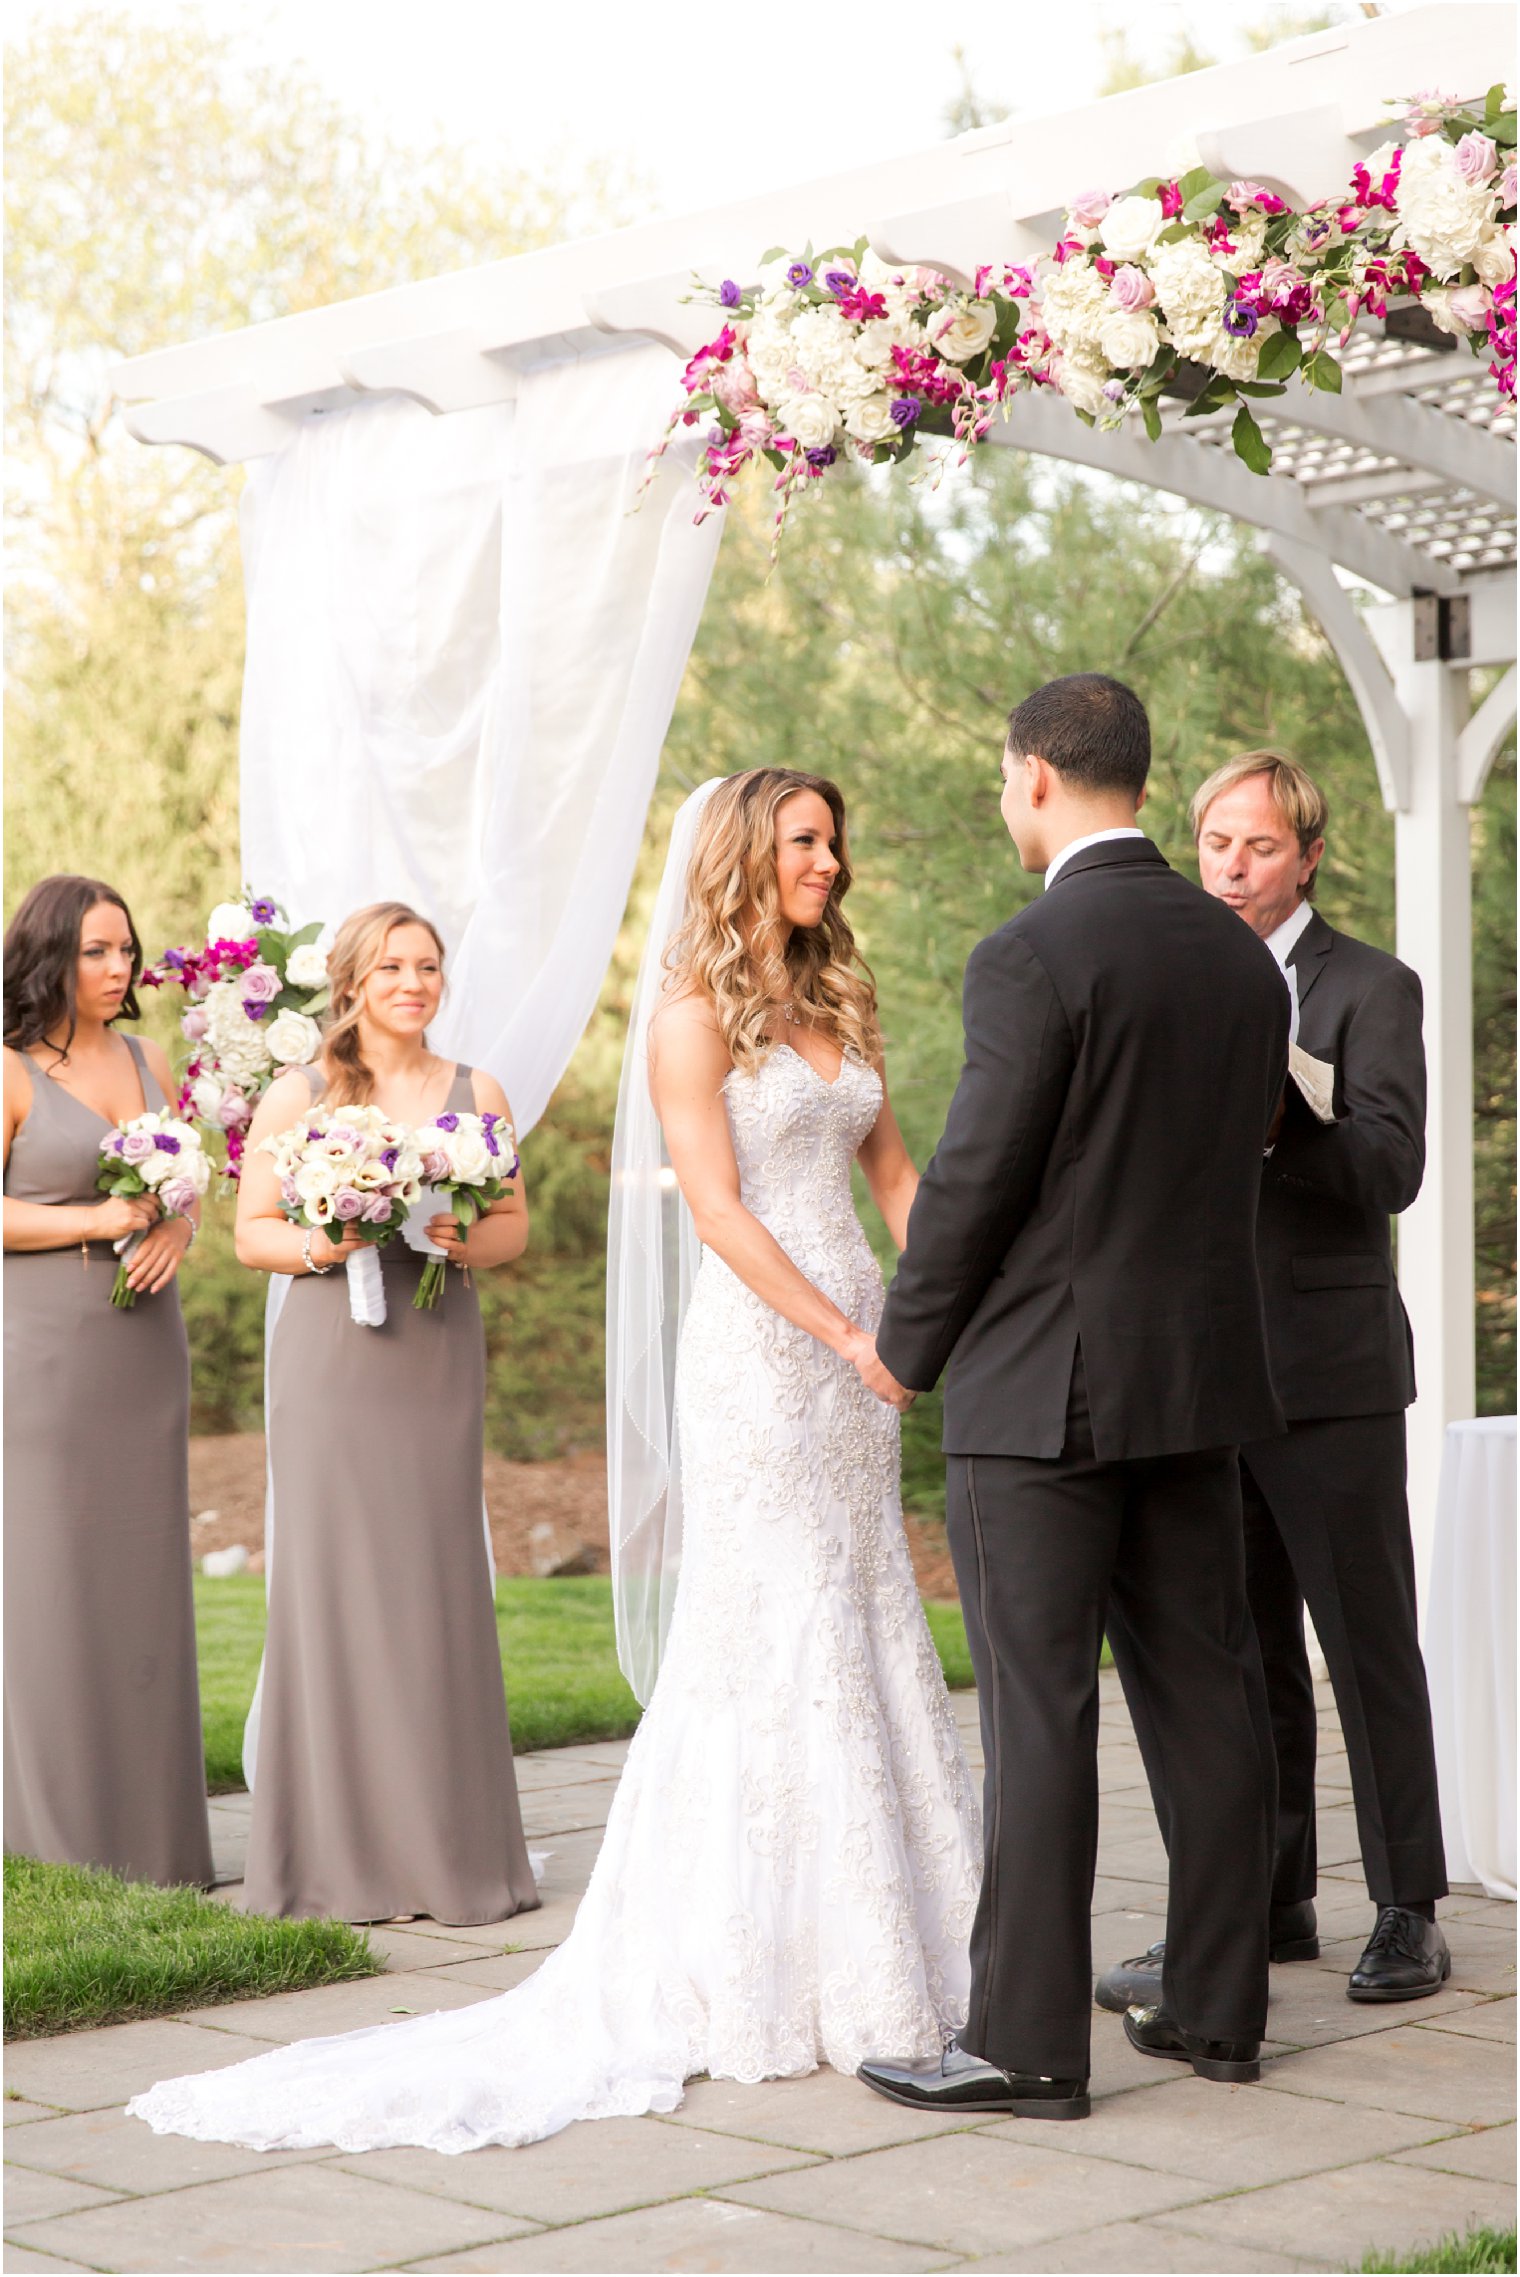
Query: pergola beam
[1483, 737]
[1212, 476]
[1368, 676]
[1390, 425]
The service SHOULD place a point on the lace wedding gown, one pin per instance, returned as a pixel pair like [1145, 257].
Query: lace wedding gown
[791, 1863]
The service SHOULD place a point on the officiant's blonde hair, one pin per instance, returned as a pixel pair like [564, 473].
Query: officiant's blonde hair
[359, 947]
[734, 947]
[1295, 794]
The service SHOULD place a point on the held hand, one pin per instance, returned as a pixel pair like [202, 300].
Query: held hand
[443, 1232]
[327, 1251]
[122, 1214]
[860, 1351]
[156, 1259]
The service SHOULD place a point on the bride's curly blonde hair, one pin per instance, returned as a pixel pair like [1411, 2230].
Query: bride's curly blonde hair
[735, 947]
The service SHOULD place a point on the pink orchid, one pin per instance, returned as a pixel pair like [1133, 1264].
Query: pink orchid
[1172, 200]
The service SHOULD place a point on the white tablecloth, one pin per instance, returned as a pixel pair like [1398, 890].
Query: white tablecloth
[1470, 1651]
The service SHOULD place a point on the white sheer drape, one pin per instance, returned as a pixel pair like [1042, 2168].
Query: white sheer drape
[464, 646]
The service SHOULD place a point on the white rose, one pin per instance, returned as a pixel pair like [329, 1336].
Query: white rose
[1081, 380]
[230, 921]
[1130, 227]
[1191, 291]
[315, 1177]
[1129, 338]
[306, 967]
[294, 1039]
[877, 338]
[811, 420]
[469, 1156]
[967, 332]
[206, 1096]
[1494, 258]
[871, 420]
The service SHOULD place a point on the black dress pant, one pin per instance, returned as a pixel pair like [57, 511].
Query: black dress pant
[1041, 1550]
[1327, 1524]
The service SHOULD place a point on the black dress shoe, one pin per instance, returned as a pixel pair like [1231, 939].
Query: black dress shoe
[1293, 1935]
[960, 2081]
[1235, 2061]
[1406, 1958]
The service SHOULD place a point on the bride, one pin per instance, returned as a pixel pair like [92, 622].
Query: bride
[791, 1863]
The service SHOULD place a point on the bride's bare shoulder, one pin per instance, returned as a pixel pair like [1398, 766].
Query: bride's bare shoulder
[684, 1032]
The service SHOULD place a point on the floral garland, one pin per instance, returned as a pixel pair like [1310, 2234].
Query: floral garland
[255, 992]
[1217, 291]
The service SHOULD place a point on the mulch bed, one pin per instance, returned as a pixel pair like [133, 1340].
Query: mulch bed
[545, 1517]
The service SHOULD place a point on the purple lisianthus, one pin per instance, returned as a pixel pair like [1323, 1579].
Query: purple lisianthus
[489, 1135]
[114, 1144]
[166, 1144]
[823, 456]
[728, 294]
[137, 1146]
[264, 910]
[1239, 321]
[376, 1211]
[388, 1157]
[904, 411]
[255, 1011]
[447, 1122]
[174, 959]
[348, 1203]
[798, 275]
[840, 282]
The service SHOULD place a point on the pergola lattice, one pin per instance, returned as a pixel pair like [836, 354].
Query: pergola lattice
[1405, 482]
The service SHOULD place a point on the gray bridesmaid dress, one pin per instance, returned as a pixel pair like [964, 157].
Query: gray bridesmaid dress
[385, 1782]
[103, 1757]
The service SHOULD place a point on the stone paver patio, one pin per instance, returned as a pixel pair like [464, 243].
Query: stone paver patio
[1372, 2127]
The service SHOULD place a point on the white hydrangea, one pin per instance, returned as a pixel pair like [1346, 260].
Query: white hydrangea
[1442, 217]
[240, 1045]
[1082, 377]
[1249, 237]
[879, 336]
[1191, 290]
[1073, 302]
[1237, 359]
[824, 346]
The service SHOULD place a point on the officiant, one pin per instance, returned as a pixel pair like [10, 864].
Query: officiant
[1327, 1520]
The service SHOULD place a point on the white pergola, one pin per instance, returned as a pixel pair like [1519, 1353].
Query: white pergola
[1405, 482]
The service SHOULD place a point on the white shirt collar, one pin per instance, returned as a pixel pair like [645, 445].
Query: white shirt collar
[1287, 935]
[1077, 845]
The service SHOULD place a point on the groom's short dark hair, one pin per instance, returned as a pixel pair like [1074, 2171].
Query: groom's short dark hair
[1091, 729]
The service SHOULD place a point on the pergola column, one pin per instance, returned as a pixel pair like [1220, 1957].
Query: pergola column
[1433, 871]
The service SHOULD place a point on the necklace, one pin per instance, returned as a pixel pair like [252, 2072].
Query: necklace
[789, 1013]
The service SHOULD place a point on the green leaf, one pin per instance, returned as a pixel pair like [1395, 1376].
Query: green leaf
[1214, 397]
[1502, 128]
[1261, 387]
[1251, 444]
[1493, 101]
[1280, 356]
[1323, 372]
[317, 1001]
[1086, 417]
[772, 253]
[1174, 233]
[1150, 412]
[1196, 179]
[306, 933]
[1206, 203]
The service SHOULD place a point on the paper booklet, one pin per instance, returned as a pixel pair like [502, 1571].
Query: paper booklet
[1316, 1080]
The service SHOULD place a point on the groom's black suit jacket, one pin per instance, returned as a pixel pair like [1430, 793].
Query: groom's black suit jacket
[1099, 1175]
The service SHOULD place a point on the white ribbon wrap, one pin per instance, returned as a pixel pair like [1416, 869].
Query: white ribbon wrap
[366, 1288]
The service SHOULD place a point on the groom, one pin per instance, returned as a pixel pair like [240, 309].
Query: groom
[1082, 1255]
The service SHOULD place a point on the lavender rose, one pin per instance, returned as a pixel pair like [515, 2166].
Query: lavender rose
[1475, 159]
[376, 1211]
[194, 1023]
[1088, 210]
[1131, 289]
[177, 1196]
[137, 1146]
[348, 1204]
[260, 984]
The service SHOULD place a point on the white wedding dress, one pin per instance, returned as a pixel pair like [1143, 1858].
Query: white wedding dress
[791, 1863]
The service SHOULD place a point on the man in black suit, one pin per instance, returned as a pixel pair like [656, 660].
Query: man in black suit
[1081, 1253]
[1325, 1510]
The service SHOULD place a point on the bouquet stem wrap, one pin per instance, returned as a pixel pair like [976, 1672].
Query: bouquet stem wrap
[366, 1287]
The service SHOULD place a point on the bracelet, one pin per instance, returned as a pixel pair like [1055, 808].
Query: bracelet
[307, 1258]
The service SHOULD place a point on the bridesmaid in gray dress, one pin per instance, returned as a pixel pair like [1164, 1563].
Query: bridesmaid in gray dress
[384, 1786]
[103, 1755]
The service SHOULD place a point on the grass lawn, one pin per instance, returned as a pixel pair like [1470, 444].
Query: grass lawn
[1478, 2252]
[563, 1680]
[83, 1948]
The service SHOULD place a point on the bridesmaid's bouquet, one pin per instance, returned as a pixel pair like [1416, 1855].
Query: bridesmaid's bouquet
[350, 1170]
[469, 1162]
[151, 1154]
